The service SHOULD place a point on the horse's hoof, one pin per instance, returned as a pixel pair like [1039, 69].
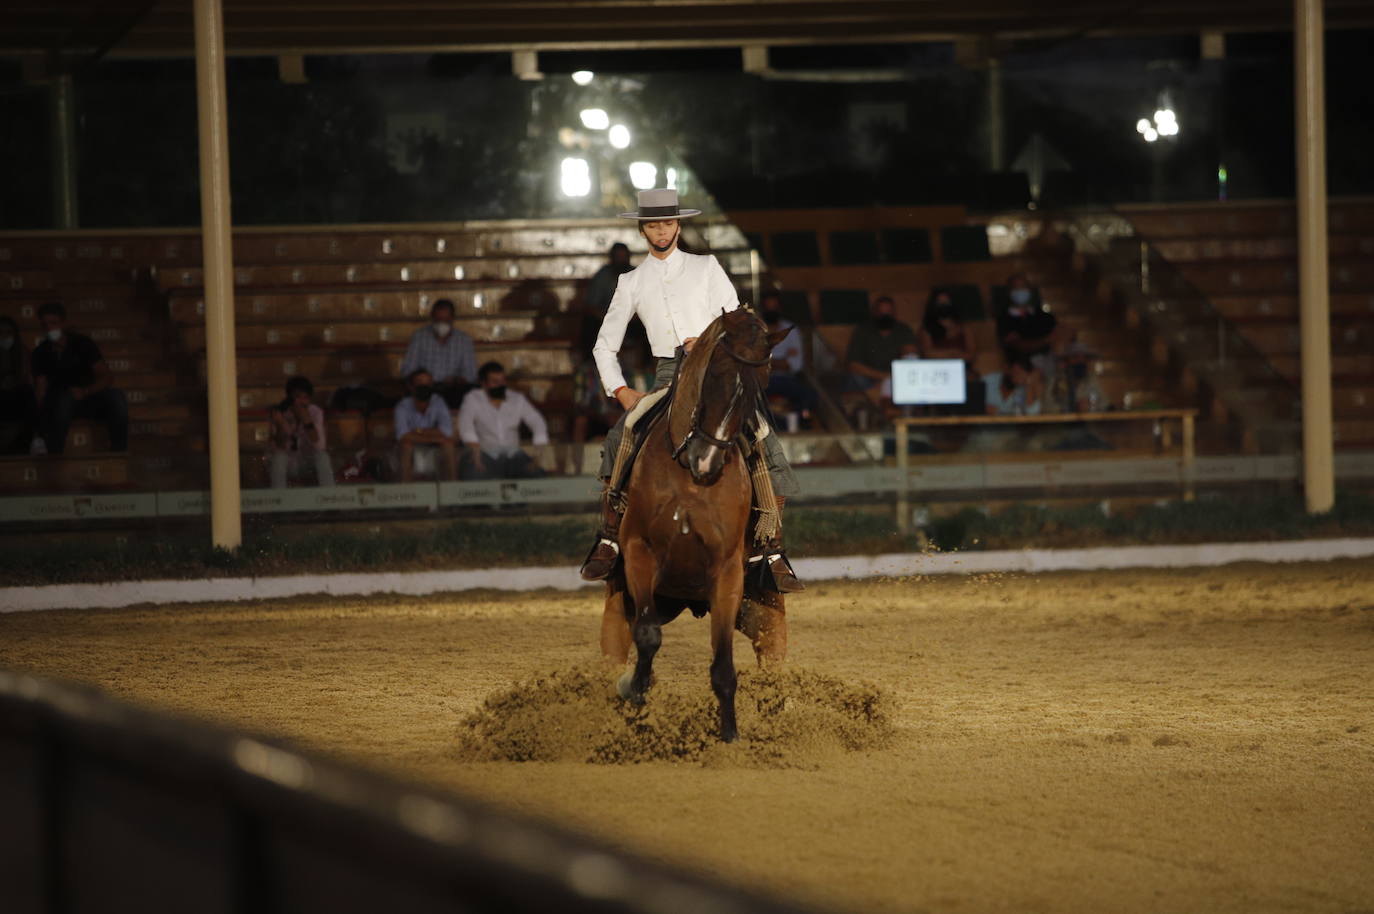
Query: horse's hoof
[624, 686]
[729, 736]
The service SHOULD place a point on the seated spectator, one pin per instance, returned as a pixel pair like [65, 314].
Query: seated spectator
[1082, 393]
[785, 378]
[593, 412]
[445, 353]
[1017, 391]
[943, 334]
[876, 344]
[424, 428]
[1024, 327]
[18, 409]
[72, 381]
[298, 437]
[489, 424]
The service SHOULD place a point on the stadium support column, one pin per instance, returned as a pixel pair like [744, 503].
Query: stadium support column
[1313, 288]
[62, 118]
[225, 517]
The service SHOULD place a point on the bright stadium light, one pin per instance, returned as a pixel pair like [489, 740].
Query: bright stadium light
[620, 136]
[1151, 134]
[1165, 116]
[1168, 128]
[1142, 125]
[582, 77]
[671, 178]
[643, 175]
[595, 119]
[576, 177]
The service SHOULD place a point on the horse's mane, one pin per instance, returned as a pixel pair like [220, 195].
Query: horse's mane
[742, 331]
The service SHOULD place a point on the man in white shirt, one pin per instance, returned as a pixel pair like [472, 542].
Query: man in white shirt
[675, 294]
[489, 426]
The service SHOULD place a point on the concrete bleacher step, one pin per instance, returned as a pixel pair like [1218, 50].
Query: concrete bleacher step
[1192, 250]
[1242, 219]
[187, 306]
[63, 473]
[302, 334]
[1258, 306]
[261, 368]
[1343, 367]
[1284, 337]
[545, 268]
[1221, 278]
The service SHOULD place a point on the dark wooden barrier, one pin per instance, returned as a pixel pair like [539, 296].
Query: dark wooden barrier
[105, 807]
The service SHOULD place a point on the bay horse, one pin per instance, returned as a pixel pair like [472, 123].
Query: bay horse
[688, 502]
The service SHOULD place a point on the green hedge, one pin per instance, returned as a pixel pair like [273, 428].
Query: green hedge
[511, 542]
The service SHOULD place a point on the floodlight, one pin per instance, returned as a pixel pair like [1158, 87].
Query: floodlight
[643, 174]
[595, 119]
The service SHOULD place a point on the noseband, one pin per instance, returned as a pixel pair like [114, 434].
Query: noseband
[695, 430]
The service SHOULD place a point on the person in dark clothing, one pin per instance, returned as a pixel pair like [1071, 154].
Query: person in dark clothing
[1024, 327]
[72, 381]
[785, 377]
[875, 345]
[18, 409]
[601, 288]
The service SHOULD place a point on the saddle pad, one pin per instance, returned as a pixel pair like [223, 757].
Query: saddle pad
[645, 404]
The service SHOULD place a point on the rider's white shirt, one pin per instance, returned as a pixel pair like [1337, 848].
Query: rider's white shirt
[675, 298]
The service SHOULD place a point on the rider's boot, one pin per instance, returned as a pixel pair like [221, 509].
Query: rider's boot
[784, 578]
[600, 562]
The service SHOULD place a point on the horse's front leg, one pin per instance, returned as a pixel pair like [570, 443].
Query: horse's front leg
[725, 605]
[641, 568]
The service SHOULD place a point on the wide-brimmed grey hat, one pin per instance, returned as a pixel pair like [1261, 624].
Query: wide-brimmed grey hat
[660, 203]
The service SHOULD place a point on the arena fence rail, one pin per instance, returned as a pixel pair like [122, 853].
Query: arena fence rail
[112, 808]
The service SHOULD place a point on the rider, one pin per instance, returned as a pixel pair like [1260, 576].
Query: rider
[676, 295]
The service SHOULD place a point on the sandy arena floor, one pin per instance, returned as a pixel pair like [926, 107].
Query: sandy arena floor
[1139, 741]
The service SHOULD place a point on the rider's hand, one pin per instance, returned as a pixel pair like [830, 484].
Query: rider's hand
[628, 397]
[688, 343]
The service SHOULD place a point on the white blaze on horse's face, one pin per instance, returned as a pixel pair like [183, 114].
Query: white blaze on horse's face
[706, 459]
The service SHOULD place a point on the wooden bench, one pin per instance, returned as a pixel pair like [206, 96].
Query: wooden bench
[499, 328]
[1259, 305]
[1221, 278]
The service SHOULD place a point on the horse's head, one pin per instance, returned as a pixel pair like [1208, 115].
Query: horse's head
[734, 374]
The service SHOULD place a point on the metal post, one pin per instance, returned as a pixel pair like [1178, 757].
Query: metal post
[903, 484]
[62, 121]
[1313, 289]
[225, 508]
[1189, 457]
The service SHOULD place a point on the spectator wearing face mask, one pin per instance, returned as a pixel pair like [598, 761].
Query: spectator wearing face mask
[489, 425]
[424, 429]
[72, 381]
[18, 409]
[1024, 327]
[785, 378]
[443, 351]
[943, 334]
[876, 344]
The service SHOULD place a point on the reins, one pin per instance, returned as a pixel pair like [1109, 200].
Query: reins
[694, 429]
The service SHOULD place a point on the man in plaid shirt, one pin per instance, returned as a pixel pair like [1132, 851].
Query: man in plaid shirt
[443, 351]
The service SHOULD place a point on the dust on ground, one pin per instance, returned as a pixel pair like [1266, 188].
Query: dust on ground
[1196, 740]
[788, 717]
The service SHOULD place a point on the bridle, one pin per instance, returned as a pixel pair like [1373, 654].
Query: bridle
[694, 429]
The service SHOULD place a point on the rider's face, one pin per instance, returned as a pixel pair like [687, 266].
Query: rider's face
[660, 234]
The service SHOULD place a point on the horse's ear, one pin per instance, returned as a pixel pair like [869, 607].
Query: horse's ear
[777, 336]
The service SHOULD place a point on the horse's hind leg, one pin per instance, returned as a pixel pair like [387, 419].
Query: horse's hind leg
[616, 637]
[725, 605]
[645, 629]
[763, 620]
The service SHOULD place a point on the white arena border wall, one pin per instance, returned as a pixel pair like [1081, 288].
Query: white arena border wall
[565, 578]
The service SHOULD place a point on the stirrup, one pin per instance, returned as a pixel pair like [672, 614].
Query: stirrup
[596, 568]
[770, 570]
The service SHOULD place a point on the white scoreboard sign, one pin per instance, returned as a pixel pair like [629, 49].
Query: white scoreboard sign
[918, 382]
